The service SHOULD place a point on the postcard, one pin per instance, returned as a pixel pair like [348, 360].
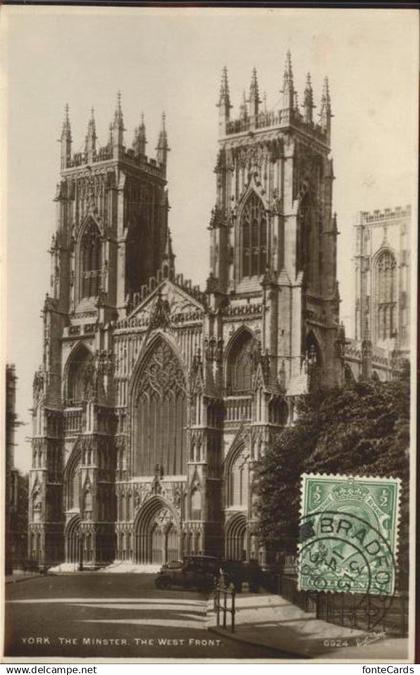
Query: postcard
[210, 256]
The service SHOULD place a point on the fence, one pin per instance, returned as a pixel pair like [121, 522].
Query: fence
[368, 612]
[222, 597]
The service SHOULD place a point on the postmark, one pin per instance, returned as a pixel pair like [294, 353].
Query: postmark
[349, 534]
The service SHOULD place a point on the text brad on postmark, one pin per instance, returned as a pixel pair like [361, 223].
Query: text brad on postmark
[348, 534]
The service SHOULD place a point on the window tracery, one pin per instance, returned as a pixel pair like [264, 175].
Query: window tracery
[253, 234]
[386, 295]
[91, 263]
[238, 480]
[161, 414]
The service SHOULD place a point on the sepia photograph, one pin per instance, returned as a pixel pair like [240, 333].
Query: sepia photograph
[209, 312]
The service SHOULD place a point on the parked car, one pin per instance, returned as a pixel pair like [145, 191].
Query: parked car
[195, 571]
[239, 572]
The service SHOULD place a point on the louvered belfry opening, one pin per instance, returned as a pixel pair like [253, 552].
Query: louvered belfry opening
[160, 410]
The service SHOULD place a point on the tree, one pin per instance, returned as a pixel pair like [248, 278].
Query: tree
[360, 430]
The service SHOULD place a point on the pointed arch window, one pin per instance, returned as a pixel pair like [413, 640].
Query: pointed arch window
[196, 504]
[87, 504]
[386, 295]
[160, 408]
[238, 480]
[91, 261]
[253, 237]
[81, 360]
[240, 364]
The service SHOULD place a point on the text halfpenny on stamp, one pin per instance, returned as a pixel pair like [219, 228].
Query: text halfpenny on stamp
[348, 534]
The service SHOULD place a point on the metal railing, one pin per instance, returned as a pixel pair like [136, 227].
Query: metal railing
[224, 604]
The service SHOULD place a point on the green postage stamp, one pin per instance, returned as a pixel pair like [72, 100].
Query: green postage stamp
[348, 534]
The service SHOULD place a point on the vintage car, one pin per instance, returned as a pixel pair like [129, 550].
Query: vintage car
[242, 572]
[195, 571]
[205, 572]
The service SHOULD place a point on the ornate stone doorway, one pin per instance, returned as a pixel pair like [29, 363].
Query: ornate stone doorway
[236, 541]
[73, 541]
[156, 533]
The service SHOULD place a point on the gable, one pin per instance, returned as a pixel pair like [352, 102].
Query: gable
[167, 303]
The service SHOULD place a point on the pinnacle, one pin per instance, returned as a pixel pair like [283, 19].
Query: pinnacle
[288, 76]
[326, 90]
[224, 87]
[288, 66]
[66, 121]
[91, 123]
[253, 93]
[118, 116]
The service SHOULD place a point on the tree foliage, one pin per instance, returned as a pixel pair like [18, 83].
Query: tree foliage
[361, 430]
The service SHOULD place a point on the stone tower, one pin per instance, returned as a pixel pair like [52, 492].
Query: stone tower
[273, 232]
[155, 399]
[382, 267]
[111, 236]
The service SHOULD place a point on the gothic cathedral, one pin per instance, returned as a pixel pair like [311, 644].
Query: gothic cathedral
[155, 399]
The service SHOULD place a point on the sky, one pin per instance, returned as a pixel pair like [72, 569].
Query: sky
[171, 60]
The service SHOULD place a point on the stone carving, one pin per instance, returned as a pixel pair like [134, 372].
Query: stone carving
[160, 315]
[38, 385]
[163, 372]
[276, 204]
[164, 518]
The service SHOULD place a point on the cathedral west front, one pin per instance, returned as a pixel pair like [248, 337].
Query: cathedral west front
[155, 398]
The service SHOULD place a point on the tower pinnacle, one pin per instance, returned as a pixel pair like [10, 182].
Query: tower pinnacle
[139, 143]
[243, 108]
[325, 113]
[254, 99]
[90, 142]
[65, 138]
[308, 101]
[224, 96]
[168, 258]
[224, 102]
[162, 146]
[288, 89]
[118, 126]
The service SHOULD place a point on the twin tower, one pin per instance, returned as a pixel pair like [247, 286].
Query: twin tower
[155, 399]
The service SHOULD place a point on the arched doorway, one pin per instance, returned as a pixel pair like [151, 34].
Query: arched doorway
[236, 545]
[72, 540]
[157, 533]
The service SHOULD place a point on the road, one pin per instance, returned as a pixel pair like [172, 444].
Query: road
[101, 615]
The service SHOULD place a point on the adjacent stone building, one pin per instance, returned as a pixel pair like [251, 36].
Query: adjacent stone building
[382, 294]
[155, 398]
[13, 535]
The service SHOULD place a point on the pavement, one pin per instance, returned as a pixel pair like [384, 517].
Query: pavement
[90, 614]
[267, 624]
[271, 621]
[20, 576]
